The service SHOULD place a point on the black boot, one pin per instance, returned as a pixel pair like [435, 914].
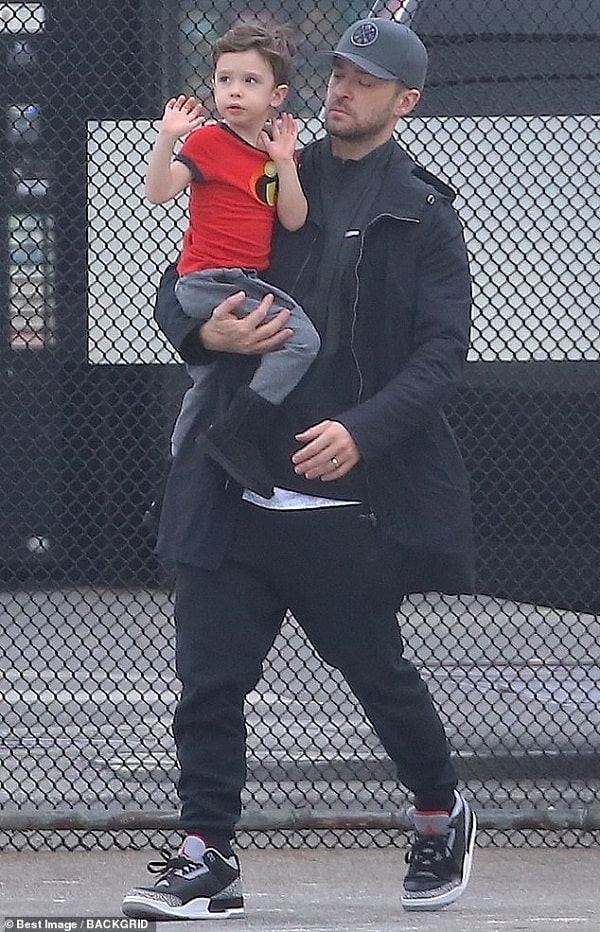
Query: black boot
[233, 440]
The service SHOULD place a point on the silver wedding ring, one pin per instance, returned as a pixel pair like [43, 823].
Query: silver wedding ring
[335, 461]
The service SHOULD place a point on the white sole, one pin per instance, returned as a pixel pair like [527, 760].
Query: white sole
[138, 907]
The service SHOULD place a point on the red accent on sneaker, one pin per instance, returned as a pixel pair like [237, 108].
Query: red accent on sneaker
[431, 812]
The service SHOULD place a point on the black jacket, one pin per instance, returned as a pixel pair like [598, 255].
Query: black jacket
[411, 318]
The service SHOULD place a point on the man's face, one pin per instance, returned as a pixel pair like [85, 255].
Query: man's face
[362, 108]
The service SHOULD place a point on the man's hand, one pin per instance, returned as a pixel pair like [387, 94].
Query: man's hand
[251, 335]
[328, 452]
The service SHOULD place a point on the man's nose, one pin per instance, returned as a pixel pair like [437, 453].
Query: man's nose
[343, 88]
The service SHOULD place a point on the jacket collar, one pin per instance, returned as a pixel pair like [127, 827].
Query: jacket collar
[409, 188]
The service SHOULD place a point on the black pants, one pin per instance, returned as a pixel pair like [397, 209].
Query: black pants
[326, 567]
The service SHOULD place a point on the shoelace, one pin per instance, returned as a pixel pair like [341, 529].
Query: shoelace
[179, 863]
[428, 852]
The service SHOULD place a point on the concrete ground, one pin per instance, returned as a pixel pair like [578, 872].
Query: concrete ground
[511, 890]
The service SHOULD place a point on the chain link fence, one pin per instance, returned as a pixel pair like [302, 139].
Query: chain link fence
[511, 119]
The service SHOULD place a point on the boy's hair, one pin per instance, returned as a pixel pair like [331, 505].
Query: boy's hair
[274, 44]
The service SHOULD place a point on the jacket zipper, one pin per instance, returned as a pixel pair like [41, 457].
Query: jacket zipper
[304, 264]
[371, 516]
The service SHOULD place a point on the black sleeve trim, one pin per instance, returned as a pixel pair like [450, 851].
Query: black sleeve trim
[196, 173]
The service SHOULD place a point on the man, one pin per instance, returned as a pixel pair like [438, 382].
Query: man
[371, 496]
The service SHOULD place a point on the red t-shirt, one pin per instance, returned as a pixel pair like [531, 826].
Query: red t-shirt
[232, 202]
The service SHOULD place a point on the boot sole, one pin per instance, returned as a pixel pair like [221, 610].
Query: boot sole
[206, 446]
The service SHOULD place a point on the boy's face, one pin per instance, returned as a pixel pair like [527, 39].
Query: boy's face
[244, 89]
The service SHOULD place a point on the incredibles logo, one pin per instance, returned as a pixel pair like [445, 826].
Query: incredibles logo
[264, 184]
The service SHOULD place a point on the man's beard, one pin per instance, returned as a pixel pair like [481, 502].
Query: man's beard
[352, 131]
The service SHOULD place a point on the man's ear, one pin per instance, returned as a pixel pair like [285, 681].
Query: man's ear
[407, 101]
[279, 95]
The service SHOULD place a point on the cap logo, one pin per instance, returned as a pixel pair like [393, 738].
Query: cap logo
[364, 34]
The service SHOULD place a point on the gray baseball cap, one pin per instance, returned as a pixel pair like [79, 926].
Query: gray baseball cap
[385, 49]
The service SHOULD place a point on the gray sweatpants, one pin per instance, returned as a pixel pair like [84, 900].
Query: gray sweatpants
[279, 371]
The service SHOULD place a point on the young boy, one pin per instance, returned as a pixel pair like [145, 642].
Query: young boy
[240, 177]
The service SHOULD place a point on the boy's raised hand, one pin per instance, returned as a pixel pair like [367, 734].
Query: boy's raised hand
[280, 146]
[181, 115]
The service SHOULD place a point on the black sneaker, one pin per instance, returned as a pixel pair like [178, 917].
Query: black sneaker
[441, 857]
[209, 889]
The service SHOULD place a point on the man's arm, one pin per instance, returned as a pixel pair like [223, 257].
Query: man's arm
[180, 330]
[430, 377]
[224, 332]
[427, 380]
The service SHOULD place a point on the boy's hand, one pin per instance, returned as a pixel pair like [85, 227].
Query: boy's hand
[280, 146]
[181, 115]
